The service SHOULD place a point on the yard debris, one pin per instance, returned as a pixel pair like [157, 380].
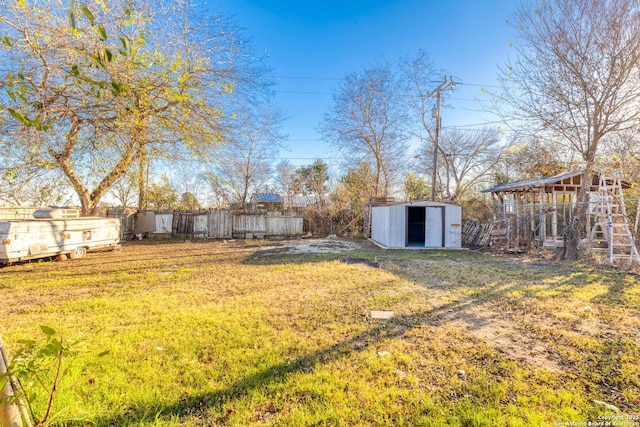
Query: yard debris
[384, 354]
[384, 315]
[588, 309]
[462, 374]
[401, 374]
[606, 405]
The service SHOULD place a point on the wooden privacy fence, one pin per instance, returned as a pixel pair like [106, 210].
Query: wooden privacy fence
[218, 224]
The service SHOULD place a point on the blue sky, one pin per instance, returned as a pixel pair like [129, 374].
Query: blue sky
[312, 44]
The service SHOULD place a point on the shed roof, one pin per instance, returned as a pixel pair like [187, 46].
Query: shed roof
[545, 181]
[418, 203]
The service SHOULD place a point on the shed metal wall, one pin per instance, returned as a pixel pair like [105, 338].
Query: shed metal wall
[389, 224]
[452, 226]
[380, 225]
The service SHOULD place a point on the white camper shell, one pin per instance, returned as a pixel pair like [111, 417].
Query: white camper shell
[56, 232]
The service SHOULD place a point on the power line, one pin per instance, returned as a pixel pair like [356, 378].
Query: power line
[322, 78]
[301, 92]
[307, 78]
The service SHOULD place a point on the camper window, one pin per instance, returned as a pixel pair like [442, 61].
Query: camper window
[86, 235]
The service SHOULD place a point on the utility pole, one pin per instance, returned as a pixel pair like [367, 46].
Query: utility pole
[448, 83]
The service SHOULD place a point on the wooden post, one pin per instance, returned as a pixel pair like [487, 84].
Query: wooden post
[554, 215]
[532, 212]
[9, 413]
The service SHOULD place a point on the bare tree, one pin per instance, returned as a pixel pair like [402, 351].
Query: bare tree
[285, 179]
[219, 191]
[367, 122]
[20, 186]
[576, 78]
[469, 159]
[622, 153]
[419, 75]
[530, 159]
[244, 162]
[125, 189]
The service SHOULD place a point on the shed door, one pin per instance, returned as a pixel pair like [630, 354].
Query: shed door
[415, 226]
[434, 231]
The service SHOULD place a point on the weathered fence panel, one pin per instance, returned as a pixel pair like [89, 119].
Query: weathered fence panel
[249, 225]
[164, 223]
[220, 224]
[200, 225]
[283, 224]
[213, 223]
[127, 219]
[190, 224]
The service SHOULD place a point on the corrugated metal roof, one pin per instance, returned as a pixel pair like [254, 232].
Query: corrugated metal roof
[267, 198]
[417, 203]
[533, 182]
[544, 181]
[304, 201]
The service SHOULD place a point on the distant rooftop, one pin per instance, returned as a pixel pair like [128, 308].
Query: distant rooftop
[267, 198]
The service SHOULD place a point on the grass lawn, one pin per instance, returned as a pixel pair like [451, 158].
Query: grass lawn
[237, 333]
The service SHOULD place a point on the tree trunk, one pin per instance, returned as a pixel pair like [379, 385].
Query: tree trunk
[578, 224]
[142, 182]
[9, 414]
[10, 411]
[88, 208]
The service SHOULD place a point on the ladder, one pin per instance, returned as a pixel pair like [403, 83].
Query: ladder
[611, 226]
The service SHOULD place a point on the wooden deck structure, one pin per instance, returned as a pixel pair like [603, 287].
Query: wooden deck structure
[537, 210]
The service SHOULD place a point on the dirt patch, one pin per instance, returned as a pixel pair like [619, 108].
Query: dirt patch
[499, 333]
[322, 246]
[359, 261]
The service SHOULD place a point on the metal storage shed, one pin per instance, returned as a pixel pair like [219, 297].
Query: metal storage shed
[417, 224]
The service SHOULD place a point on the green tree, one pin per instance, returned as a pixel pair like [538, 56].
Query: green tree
[93, 90]
[313, 180]
[20, 186]
[189, 201]
[162, 195]
[355, 188]
[416, 188]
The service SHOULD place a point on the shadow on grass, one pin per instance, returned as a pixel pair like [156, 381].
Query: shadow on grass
[202, 404]
[199, 404]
